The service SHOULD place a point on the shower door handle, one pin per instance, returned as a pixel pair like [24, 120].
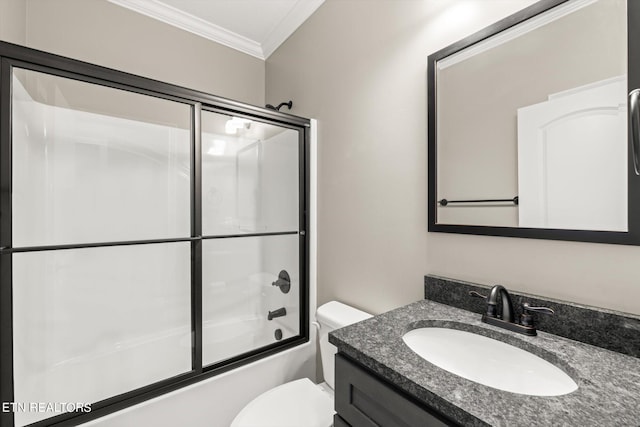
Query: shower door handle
[634, 119]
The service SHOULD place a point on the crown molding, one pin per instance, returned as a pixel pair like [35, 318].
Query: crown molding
[170, 15]
[302, 10]
[185, 21]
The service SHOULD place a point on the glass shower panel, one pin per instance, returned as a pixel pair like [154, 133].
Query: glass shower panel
[96, 164]
[96, 322]
[240, 293]
[250, 176]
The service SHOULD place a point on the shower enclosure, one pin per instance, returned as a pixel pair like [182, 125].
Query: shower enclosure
[151, 236]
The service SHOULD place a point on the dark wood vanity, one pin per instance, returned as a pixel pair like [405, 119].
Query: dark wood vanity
[364, 399]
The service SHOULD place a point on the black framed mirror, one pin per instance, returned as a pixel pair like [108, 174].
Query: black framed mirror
[532, 123]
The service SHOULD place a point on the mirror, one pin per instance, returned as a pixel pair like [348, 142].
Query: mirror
[528, 126]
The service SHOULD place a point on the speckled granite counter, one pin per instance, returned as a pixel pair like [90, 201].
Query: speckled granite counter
[609, 382]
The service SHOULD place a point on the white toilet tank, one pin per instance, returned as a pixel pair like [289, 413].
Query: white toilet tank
[330, 316]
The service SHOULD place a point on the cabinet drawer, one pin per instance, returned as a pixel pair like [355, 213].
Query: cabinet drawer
[364, 400]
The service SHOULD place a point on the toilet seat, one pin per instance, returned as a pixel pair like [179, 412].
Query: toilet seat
[294, 404]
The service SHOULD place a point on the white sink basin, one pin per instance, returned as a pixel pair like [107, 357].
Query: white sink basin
[489, 362]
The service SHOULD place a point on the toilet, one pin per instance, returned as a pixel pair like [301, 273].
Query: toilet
[301, 402]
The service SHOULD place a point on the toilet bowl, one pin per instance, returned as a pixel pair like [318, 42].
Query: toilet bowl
[301, 402]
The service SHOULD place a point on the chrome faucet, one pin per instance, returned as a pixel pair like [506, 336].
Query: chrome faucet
[506, 319]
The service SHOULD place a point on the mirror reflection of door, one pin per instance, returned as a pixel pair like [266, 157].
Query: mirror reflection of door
[572, 159]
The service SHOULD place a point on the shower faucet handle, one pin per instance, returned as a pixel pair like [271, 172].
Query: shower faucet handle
[283, 282]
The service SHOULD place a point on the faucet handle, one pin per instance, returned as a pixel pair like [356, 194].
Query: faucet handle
[477, 294]
[491, 308]
[544, 310]
[526, 319]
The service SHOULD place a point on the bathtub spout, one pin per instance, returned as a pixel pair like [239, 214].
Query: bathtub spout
[277, 313]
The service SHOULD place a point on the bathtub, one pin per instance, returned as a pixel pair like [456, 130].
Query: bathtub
[216, 401]
[220, 341]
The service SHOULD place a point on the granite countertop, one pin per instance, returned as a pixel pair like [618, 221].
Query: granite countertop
[608, 382]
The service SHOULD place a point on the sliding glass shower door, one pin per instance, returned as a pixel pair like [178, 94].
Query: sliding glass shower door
[93, 166]
[250, 186]
[149, 240]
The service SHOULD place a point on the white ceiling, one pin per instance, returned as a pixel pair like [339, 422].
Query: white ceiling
[255, 27]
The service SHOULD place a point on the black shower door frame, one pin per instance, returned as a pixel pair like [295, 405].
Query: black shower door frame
[25, 58]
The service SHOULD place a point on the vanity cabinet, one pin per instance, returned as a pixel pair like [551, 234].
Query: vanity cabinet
[363, 399]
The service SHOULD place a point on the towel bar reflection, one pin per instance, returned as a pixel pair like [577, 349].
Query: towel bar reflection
[445, 202]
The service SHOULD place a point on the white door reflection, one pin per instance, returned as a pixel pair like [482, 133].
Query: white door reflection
[572, 159]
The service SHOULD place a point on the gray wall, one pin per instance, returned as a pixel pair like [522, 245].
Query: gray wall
[102, 33]
[13, 21]
[359, 67]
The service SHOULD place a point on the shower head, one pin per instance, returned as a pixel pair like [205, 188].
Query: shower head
[288, 104]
